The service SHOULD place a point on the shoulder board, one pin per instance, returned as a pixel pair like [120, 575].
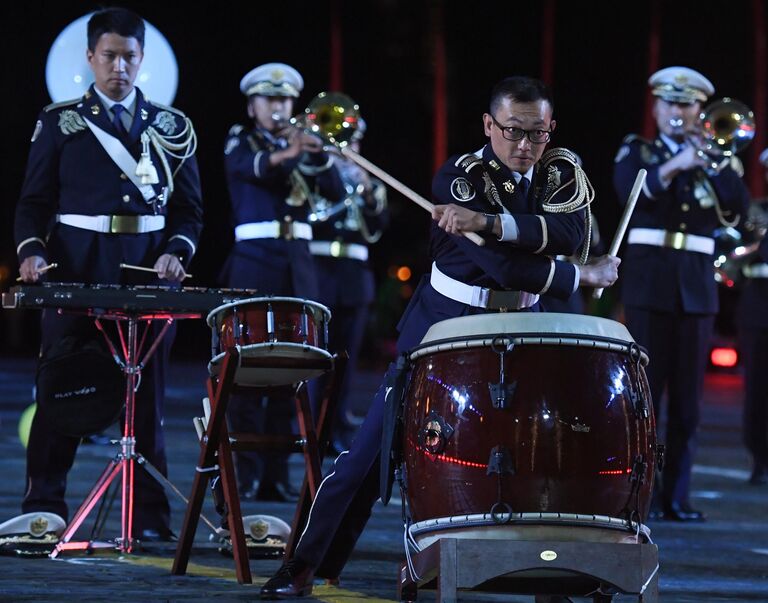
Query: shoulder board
[167, 108]
[65, 103]
[235, 130]
[630, 138]
[467, 162]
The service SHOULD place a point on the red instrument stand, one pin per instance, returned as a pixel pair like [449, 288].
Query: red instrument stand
[218, 444]
[132, 363]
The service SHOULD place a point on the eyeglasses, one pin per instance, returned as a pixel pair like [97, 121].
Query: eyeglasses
[514, 134]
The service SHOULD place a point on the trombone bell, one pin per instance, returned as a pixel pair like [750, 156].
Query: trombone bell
[333, 116]
[728, 126]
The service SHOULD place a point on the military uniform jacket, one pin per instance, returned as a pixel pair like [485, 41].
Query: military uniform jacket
[69, 172]
[661, 278]
[258, 193]
[754, 297]
[345, 281]
[526, 265]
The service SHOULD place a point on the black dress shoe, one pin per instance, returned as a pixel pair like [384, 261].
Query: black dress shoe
[293, 579]
[682, 512]
[759, 476]
[277, 492]
[156, 535]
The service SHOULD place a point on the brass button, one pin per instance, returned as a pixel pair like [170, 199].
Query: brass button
[126, 198]
[683, 226]
[123, 177]
[685, 207]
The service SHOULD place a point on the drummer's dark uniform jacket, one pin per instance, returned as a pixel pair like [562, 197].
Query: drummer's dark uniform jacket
[668, 285]
[270, 213]
[345, 498]
[83, 212]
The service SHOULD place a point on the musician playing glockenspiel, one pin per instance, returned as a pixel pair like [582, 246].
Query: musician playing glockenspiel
[111, 179]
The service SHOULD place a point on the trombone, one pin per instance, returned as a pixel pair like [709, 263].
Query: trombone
[333, 116]
[726, 127]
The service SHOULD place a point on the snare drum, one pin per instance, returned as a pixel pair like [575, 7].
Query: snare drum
[285, 330]
[529, 426]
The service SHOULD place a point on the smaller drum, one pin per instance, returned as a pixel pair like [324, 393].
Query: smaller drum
[284, 331]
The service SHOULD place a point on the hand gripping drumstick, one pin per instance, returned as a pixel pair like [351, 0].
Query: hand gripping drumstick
[400, 188]
[50, 266]
[145, 269]
[624, 222]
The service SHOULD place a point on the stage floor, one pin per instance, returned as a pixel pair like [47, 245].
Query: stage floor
[724, 559]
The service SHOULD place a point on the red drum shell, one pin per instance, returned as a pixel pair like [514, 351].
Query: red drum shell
[286, 330]
[571, 429]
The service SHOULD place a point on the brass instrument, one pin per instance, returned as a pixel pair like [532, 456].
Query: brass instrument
[334, 117]
[727, 126]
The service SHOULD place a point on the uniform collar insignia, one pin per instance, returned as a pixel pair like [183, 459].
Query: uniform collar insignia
[509, 186]
[95, 109]
[144, 114]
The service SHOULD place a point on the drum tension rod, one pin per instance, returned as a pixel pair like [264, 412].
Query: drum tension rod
[501, 392]
[500, 462]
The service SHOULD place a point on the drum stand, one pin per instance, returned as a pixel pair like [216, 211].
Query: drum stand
[123, 462]
[585, 569]
[218, 444]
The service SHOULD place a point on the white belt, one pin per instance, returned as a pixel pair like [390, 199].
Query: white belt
[479, 297]
[273, 230]
[337, 249]
[755, 271]
[673, 240]
[114, 224]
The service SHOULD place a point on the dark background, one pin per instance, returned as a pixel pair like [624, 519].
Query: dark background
[600, 73]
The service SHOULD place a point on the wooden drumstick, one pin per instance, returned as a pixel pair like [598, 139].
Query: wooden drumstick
[401, 188]
[42, 270]
[145, 269]
[624, 222]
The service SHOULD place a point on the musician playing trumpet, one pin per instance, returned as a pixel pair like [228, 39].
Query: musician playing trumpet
[669, 291]
[273, 169]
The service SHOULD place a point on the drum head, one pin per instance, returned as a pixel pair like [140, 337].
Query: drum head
[214, 316]
[288, 355]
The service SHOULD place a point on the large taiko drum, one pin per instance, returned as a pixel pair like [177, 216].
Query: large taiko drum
[528, 426]
[285, 332]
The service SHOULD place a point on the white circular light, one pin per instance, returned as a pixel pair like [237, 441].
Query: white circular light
[68, 75]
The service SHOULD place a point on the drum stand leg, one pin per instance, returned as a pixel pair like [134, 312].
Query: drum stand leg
[216, 447]
[123, 462]
[585, 569]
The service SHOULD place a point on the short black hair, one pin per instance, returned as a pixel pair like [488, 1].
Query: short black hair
[522, 89]
[116, 20]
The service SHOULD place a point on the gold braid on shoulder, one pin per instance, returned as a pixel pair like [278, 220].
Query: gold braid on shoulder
[583, 193]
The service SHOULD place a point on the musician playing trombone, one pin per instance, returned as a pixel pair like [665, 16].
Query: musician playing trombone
[753, 340]
[111, 179]
[274, 169]
[343, 233]
[669, 291]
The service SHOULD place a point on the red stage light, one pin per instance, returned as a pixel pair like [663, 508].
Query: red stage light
[724, 357]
